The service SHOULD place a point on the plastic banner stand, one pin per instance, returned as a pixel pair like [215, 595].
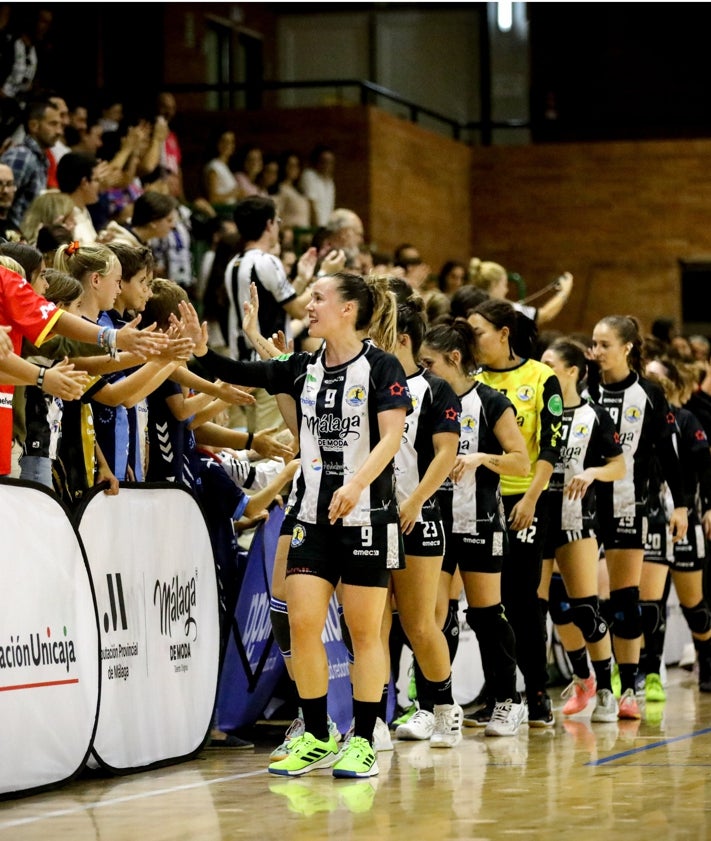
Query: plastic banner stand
[153, 568]
[49, 643]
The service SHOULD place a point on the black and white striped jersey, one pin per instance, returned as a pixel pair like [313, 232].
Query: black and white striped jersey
[435, 408]
[645, 424]
[589, 439]
[337, 416]
[274, 290]
[476, 498]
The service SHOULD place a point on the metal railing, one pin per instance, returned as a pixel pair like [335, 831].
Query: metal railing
[369, 93]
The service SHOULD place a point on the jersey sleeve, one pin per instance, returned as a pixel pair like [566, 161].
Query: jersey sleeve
[24, 310]
[274, 280]
[389, 383]
[446, 407]
[551, 420]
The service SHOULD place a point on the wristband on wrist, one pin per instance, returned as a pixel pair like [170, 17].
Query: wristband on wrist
[250, 438]
[40, 377]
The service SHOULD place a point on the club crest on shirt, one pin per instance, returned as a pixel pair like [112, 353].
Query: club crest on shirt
[580, 430]
[298, 536]
[356, 395]
[526, 393]
[633, 414]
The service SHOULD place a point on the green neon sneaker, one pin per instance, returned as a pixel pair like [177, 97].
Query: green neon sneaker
[615, 681]
[653, 689]
[405, 717]
[306, 753]
[358, 759]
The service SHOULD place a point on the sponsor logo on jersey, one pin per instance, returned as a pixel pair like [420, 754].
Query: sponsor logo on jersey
[397, 389]
[468, 423]
[555, 405]
[316, 464]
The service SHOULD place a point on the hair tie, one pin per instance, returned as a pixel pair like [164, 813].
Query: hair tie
[73, 247]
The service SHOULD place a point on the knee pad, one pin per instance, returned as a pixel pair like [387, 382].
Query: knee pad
[559, 602]
[626, 614]
[698, 618]
[586, 615]
[280, 626]
[653, 617]
[346, 634]
[483, 619]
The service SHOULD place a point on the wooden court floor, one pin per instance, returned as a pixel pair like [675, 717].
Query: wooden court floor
[630, 780]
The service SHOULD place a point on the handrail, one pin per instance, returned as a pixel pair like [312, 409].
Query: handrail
[368, 92]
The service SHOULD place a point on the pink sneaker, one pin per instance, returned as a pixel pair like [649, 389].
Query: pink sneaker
[578, 693]
[628, 706]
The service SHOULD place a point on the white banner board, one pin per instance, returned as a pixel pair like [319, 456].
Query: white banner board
[49, 643]
[152, 563]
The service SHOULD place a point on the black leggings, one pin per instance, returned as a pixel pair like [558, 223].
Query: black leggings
[520, 577]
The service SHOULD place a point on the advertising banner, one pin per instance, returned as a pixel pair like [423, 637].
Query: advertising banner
[153, 569]
[49, 643]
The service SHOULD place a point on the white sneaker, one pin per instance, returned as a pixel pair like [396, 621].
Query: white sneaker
[606, 708]
[381, 736]
[296, 729]
[688, 657]
[418, 728]
[506, 718]
[293, 731]
[447, 726]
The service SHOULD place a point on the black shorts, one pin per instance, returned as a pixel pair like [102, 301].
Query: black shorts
[359, 555]
[658, 546]
[624, 532]
[690, 553]
[555, 538]
[481, 552]
[426, 540]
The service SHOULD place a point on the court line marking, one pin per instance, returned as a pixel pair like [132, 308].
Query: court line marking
[100, 804]
[660, 744]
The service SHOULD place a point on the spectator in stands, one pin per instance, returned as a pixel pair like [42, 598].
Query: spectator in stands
[28, 159]
[50, 208]
[7, 195]
[258, 225]
[293, 206]
[221, 186]
[77, 178]
[154, 216]
[344, 232]
[248, 164]
[318, 186]
[16, 88]
[60, 148]
[452, 276]
[494, 279]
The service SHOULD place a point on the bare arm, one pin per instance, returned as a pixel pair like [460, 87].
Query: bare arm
[132, 389]
[445, 452]
[392, 425]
